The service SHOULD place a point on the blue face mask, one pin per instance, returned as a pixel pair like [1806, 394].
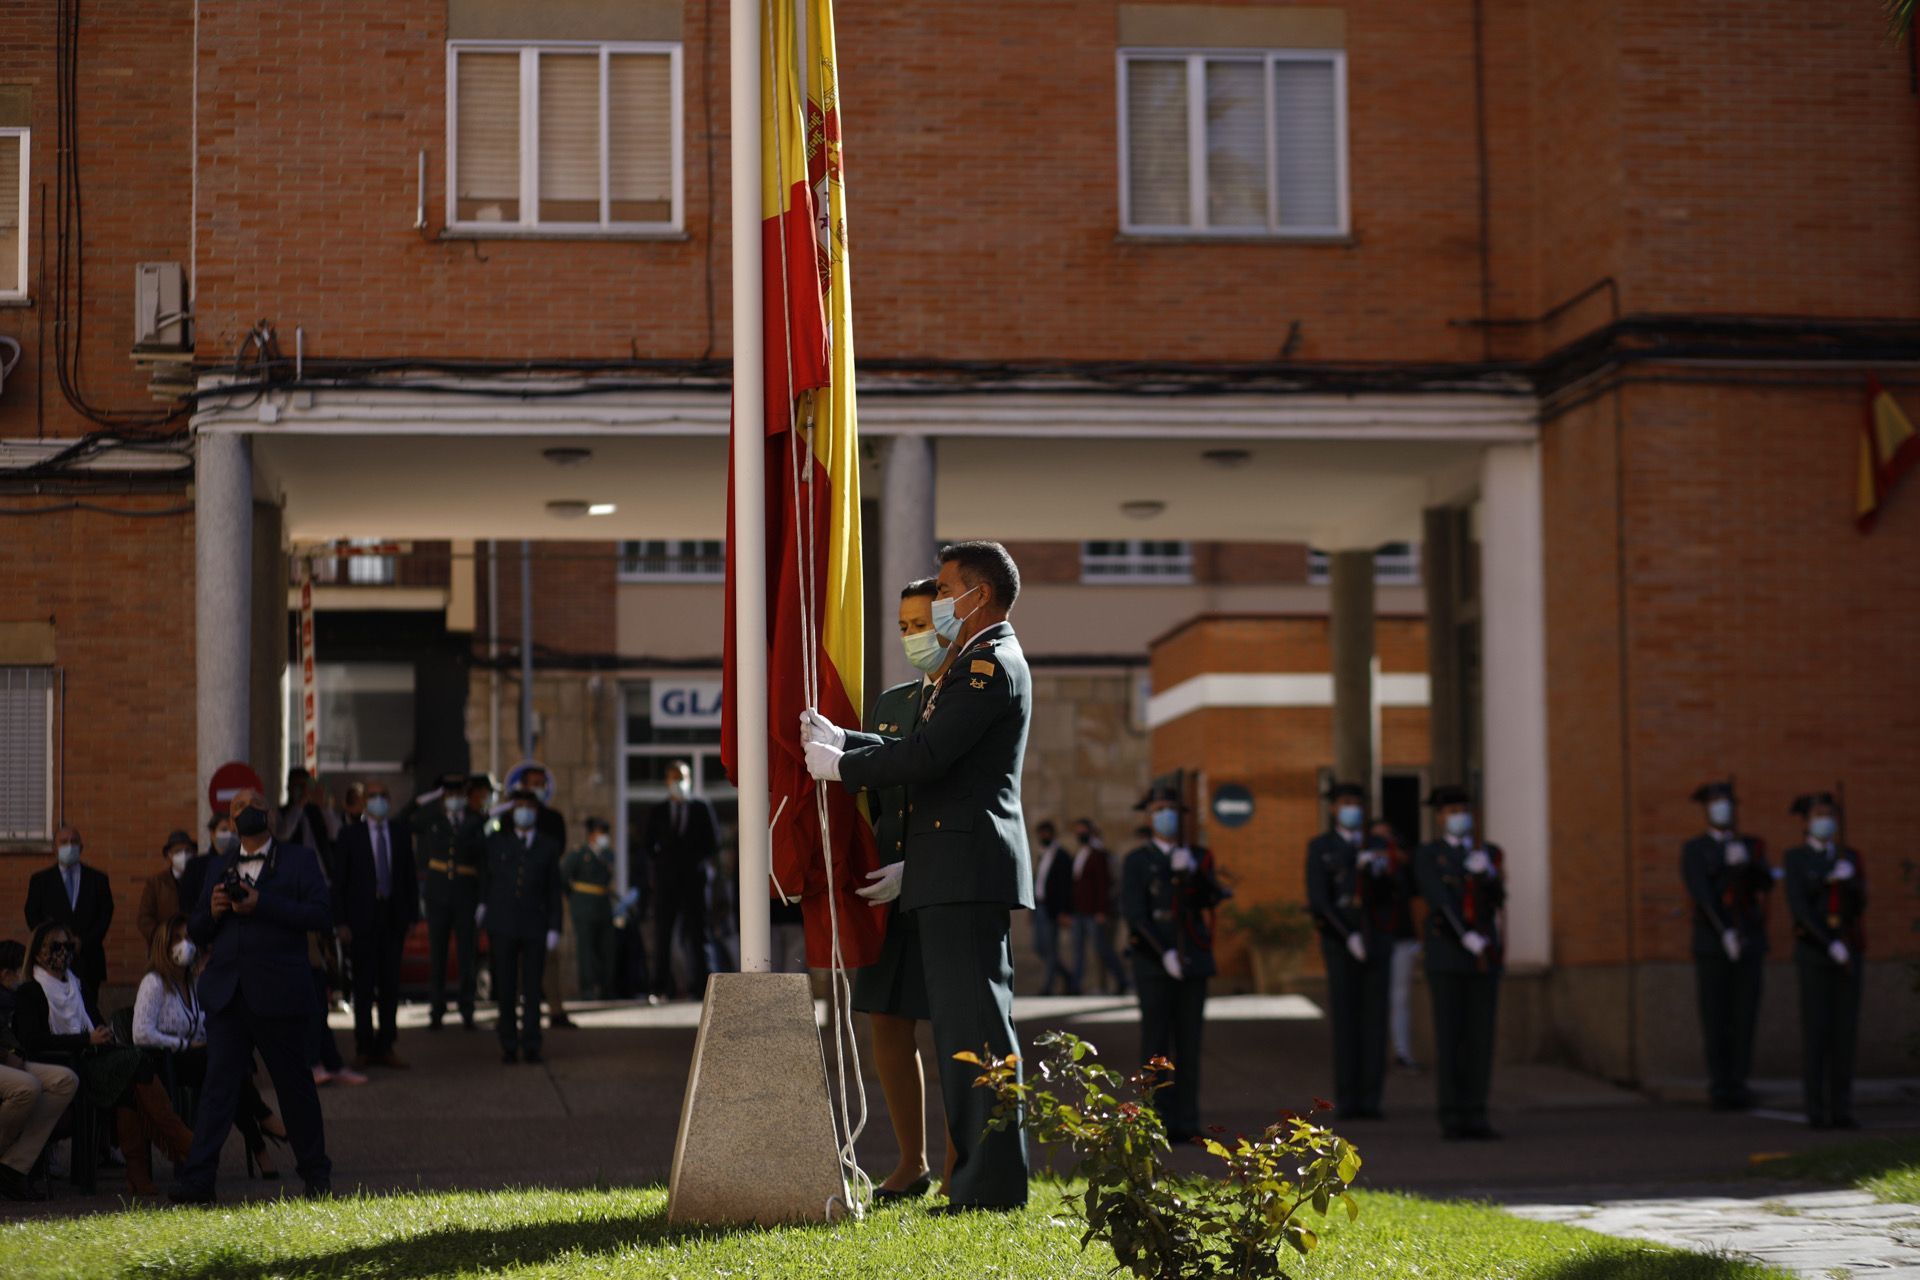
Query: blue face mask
[524, 816]
[1460, 824]
[924, 650]
[1350, 816]
[1720, 812]
[379, 806]
[946, 624]
[1166, 823]
[1823, 826]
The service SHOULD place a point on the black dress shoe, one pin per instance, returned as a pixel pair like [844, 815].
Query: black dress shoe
[561, 1022]
[912, 1191]
[509, 1056]
[191, 1195]
[467, 1023]
[955, 1210]
[1846, 1122]
[318, 1190]
[531, 1057]
[15, 1185]
[1453, 1134]
[1482, 1133]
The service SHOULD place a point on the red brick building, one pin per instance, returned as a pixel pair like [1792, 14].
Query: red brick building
[1579, 299]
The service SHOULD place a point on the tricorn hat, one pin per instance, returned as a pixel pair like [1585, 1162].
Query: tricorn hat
[598, 824]
[1804, 805]
[1713, 791]
[453, 782]
[1442, 796]
[479, 780]
[1162, 794]
[1336, 790]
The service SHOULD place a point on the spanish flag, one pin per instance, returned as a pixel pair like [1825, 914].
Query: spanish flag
[813, 481]
[1889, 448]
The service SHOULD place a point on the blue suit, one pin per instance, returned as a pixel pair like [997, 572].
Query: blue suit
[257, 990]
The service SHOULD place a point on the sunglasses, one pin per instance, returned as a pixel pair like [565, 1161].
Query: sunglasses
[59, 948]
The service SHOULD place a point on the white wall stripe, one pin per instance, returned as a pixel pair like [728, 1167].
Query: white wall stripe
[1255, 690]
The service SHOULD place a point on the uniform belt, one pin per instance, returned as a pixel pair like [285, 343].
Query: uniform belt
[440, 864]
[581, 886]
[468, 871]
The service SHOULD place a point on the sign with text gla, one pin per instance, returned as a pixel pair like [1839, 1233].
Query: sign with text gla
[687, 705]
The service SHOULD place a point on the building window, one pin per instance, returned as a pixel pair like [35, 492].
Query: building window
[366, 715]
[26, 753]
[15, 148]
[568, 137]
[673, 560]
[360, 562]
[1233, 144]
[1170, 562]
[1395, 564]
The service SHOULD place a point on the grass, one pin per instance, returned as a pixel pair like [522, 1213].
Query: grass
[593, 1233]
[1887, 1168]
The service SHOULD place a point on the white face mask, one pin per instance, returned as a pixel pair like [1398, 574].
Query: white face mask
[924, 650]
[677, 789]
[183, 952]
[524, 816]
[179, 859]
[455, 805]
[946, 624]
[601, 842]
[1460, 824]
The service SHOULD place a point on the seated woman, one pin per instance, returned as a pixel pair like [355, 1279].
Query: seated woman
[51, 1017]
[167, 1016]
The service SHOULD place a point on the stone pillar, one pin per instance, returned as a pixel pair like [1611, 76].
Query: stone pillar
[1440, 569]
[1514, 697]
[1350, 633]
[907, 543]
[223, 602]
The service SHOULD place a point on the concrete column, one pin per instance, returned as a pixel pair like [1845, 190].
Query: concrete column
[1439, 568]
[1514, 698]
[1350, 632]
[907, 543]
[223, 602]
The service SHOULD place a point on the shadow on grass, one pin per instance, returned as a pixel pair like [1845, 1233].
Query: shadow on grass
[1654, 1266]
[1847, 1163]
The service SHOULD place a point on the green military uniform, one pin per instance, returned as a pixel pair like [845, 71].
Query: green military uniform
[967, 869]
[1828, 904]
[1465, 988]
[589, 879]
[449, 859]
[1727, 877]
[896, 983]
[1347, 875]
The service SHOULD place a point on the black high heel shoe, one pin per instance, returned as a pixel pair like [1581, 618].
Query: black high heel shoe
[256, 1158]
[920, 1186]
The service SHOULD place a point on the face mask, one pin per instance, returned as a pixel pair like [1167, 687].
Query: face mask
[251, 821]
[183, 952]
[678, 790]
[1351, 816]
[1459, 824]
[455, 805]
[378, 806]
[67, 854]
[601, 842]
[945, 623]
[1166, 823]
[524, 816]
[225, 842]
[924, 650]
[179, 860]
[1720, 813]
[1823, 826]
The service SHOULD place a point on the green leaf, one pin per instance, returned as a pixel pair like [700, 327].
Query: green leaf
[1353, 1207]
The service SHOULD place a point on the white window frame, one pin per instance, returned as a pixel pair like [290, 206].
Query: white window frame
[679, 550]
[1390, 568]
[1196, 61]
[24, 199]
[1138, 567]
[46, 828]
[529, 223]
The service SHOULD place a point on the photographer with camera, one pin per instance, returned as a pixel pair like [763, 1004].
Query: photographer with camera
[260, 903]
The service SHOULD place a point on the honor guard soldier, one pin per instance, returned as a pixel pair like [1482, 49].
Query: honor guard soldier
[520, 908]
[1350, 875]
[1168, 892]
[1827, 896]
[588, 872]
[1460, 879]
[446, 837]
[1727, 877]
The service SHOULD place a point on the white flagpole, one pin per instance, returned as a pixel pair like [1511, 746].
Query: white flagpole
[749, 493]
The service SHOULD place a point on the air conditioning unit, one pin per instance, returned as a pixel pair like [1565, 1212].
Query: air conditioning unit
[161, 321]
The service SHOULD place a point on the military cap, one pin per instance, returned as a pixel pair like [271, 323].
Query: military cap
[1441, 797]
[1713, 791]
[453, 782]
[598, 824]
[479, 780]
[1162, 795]
[175, 838]
[1339, 790]
[1804, 805]
[523, 793]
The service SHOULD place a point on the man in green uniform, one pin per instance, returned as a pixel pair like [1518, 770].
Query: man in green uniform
[446, 841]
[1827, 897]
[520, 909]
[967, 866]
[1727, 877]
[1460, 879]
[588, 873]
[1349, 875]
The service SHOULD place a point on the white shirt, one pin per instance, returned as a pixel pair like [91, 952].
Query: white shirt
[162, 1020]
[66, 1007]
[250, 870]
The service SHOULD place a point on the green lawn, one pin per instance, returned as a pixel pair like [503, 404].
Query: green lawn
[623, 1233]
[1887, 1167]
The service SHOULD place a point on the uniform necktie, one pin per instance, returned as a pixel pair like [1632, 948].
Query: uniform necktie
[679, 818]
[73, 887]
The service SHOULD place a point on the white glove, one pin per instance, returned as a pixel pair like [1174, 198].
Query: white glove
[815, 727]
[883, 885]
[1478, 863]
[1357, 946]
[1730, 941]
[480, 916]
[1736, 853]
[1170, 961]
[1474, 941]
[1183, 861]
[823, 761]
[1842, 870]
[1838, 953]
[553, 939]
[1375, 863]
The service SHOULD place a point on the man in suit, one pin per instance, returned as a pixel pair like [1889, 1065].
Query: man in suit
[1168, 892]
[553, 824]
[449, 846]
[257, 907]
[1092, 914]
[1053, 906]
[376, 895]
[682, 838]
[520, 904]
[966, 868]
[78, 896]
[302, 820]
[1826, 883]
[1727, 877]
[1347, 873]
[1460, 879]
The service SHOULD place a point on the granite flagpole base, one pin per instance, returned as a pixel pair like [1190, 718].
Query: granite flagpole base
[757, 1143]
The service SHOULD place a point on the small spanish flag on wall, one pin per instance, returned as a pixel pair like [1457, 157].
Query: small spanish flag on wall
[1889, 448]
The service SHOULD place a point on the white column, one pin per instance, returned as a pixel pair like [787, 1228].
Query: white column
[223, 601]
[907, 543]
[1513, 665]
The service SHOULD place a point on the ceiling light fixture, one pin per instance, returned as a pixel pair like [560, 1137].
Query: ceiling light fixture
[1228, 458]
[567, 508]
[566, 455]
[1142, 508]
[601, 509]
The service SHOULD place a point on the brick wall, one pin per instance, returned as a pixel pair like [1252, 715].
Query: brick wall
[573, 597]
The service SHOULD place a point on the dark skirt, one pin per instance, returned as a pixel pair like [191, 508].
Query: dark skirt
[109, 1074]
[896, 983]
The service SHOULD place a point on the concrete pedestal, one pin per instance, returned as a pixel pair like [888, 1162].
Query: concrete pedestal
[757, 1142]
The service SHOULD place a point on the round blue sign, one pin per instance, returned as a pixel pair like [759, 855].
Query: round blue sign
[1233, 805]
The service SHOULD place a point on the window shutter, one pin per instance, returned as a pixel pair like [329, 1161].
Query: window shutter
[640, 136]
[25, 702]
[1307, 144]
[487, 162]
[11, 214]
[569, 137]
[1237, 144]
[1158, 185]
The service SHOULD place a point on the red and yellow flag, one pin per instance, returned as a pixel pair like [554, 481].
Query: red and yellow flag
[813, 480]
[1889, 448]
